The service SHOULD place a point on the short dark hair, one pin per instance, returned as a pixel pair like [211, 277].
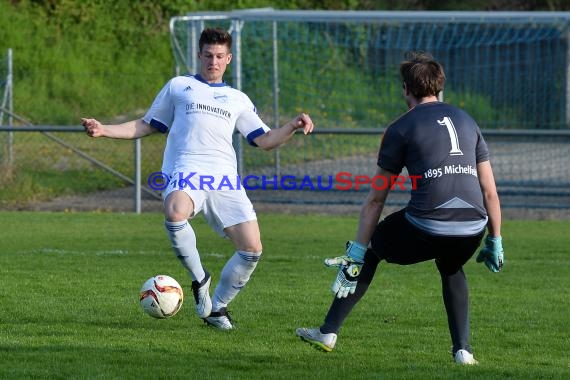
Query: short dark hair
[215, 36]
[422, 74]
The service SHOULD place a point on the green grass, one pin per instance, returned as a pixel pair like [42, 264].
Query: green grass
[70, 284]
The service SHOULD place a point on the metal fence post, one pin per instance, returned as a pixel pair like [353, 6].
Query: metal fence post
[137, 190]
[567, 78]
[276, 94]
[236, 31]
[7, 102]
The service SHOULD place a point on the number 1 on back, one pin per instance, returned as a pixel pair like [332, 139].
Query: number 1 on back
[455, 151]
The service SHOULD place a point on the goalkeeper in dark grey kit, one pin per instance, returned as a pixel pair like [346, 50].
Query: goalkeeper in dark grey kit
[454, 203]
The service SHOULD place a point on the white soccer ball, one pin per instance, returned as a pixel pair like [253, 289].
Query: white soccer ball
[161, 296]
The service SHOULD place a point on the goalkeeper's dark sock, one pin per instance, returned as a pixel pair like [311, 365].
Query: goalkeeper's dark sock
[456, 299]
[341, 307]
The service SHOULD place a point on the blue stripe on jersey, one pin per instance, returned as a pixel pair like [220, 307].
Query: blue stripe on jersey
[158, 125]
[253, 135]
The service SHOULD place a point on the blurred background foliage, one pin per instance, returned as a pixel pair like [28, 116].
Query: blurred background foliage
[109, 58]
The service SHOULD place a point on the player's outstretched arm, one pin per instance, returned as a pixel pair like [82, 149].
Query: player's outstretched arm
[490, 197]
[373, 206]
[129, 130]
[492, 253]
[276, 137]
[350, 264]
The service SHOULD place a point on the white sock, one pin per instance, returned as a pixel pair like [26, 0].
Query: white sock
[183, 241]
[234, 276]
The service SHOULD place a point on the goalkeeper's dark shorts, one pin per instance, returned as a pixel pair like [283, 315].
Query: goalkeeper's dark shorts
[398, 241]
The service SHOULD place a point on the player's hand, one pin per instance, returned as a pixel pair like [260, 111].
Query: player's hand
[305, 122]
[492, 254]
[92, 127]
[349, 267]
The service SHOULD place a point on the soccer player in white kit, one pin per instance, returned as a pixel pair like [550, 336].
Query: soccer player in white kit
[199, 113]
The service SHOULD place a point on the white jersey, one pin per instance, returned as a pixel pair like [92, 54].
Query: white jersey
[200, 119]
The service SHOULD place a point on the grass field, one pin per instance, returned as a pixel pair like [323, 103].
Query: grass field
[69, 305]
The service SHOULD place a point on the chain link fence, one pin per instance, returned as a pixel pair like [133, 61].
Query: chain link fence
[510, 71]
[532, 169]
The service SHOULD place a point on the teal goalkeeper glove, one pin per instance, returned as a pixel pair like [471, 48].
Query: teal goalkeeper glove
[349, 267]
[492, 254]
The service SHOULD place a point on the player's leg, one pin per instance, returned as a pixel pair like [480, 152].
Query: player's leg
[231, 214]
[341, 307]
[178, 208]
[455, 252]
[394, 240]
[456, 300]
[237, 270]
[324, 337]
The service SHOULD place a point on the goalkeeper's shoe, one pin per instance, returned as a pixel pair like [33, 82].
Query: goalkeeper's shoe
[316, 338]
[465, 357]
[220, 319]
[202, 298]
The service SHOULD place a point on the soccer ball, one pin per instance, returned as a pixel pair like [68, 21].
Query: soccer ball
[161, 296]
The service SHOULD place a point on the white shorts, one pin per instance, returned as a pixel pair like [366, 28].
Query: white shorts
[222, 199]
